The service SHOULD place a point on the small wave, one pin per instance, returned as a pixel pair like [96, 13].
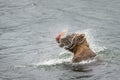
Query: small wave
[20, 66]
[85, 62]
[61, 61]
[53, 62]
[56, 62]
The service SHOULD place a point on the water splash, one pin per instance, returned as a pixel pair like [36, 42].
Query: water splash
[62, 58]
[91, 40]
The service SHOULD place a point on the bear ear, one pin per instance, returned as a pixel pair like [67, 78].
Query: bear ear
[82, 35]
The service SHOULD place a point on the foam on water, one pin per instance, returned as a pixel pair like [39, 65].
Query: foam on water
[93, 46]
[61, 61]
[53, 62]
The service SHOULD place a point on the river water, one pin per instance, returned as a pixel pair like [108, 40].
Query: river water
[28, 28]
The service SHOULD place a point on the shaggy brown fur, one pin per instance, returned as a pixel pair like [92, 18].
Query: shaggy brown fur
[77, 44]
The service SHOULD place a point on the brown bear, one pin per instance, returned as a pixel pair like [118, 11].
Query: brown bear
[77, 44]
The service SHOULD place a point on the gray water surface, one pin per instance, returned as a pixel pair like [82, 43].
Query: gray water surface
[28, 28]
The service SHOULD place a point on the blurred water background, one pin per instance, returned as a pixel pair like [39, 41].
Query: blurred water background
[28, 28]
